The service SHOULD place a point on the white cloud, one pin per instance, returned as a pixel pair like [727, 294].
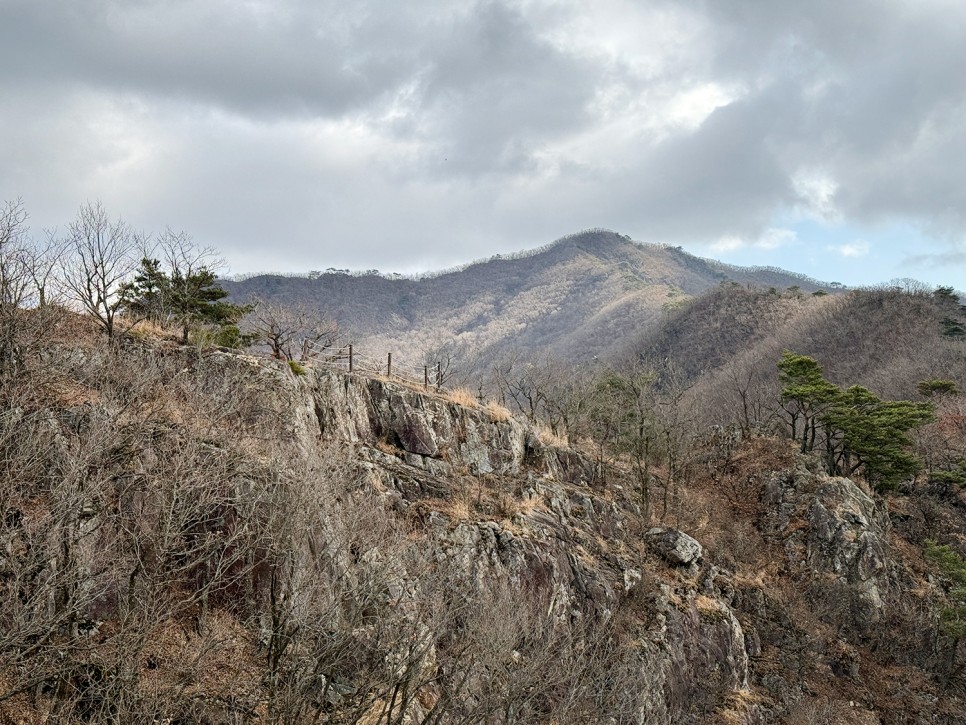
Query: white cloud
[858, 248]
[728, 244]
[376, 132]
[770, 239]
[775, 238]
[816, 193]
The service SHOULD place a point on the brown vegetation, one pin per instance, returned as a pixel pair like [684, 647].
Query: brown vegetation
[577, 299]
[183, 539]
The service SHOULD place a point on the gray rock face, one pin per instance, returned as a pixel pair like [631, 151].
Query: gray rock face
[848, 537]
[565, 538]
[675, 546]
[362, 410]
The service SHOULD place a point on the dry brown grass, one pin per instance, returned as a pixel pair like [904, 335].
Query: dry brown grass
[498, 412]
[389, 449]
[739, 705]
[147, 329]
[708, 606]
[458, 509]
[219, 662]
[462, 396]
[506, 506]
[548, 437]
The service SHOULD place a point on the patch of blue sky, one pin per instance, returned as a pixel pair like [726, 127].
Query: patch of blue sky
[852, 254]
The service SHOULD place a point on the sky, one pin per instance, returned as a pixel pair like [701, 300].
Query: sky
[824, 137]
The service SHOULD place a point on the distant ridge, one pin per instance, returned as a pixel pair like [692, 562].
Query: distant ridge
[579, 297]
[593, 234]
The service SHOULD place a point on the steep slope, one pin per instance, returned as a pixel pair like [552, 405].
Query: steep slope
[730, 339]
[201, 536]
[576, 299]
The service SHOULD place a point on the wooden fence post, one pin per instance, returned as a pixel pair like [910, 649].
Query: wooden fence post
[426, 376]
[389, 366]
[439, 375]
[350, 358]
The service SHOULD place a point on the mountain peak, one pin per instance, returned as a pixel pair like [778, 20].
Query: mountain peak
[593, 240]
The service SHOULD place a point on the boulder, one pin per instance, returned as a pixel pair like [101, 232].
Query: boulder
[675, 546]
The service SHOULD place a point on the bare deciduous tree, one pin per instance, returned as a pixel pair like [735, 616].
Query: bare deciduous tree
[522, 382]
[626, 419]
[14, 283]
[568, 398]
[44, 259]
[445, 360]
[292, 331]
[102, 255]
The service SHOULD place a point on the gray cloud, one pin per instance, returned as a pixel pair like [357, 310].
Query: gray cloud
[298, 60]
[882, 101]
[494, 92]
[937, 260]
[390, 134]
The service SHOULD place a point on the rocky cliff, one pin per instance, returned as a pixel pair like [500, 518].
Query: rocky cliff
[351, 549]
[704, 638]
[506, 509]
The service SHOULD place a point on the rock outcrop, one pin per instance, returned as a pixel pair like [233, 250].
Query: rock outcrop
[538, 518]
[454, 547]
[675, 546]
[848, 537]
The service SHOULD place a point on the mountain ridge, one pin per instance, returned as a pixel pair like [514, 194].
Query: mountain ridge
[576, 298]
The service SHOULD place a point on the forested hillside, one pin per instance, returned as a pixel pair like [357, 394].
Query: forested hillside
[752, 512]
[888, 338]
[576, 299]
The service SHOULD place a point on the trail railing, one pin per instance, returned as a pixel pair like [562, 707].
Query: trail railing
[346, 357]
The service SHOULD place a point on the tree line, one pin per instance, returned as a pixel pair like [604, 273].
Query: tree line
[120, 277]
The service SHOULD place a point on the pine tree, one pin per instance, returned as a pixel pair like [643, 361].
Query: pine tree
[873, 435]
[196, 297]
[146, 295]
[188, 298]
[806, 395]
[860, 430]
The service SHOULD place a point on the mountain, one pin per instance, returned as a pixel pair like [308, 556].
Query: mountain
[578, 298]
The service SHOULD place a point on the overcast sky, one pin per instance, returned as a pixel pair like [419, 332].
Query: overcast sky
[823, 136]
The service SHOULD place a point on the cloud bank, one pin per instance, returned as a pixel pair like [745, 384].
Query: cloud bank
[298, 134]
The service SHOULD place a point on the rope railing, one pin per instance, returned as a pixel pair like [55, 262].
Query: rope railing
[345, 357]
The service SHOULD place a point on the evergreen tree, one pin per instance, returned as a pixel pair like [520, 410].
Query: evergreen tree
[860, 430]
[188, 297]
[806, 395]
[196, 297]
[146, 295]
[937, 388]
[873, 435]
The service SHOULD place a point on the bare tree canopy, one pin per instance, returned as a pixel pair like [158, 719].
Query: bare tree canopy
[291, 330]
[102, 254]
